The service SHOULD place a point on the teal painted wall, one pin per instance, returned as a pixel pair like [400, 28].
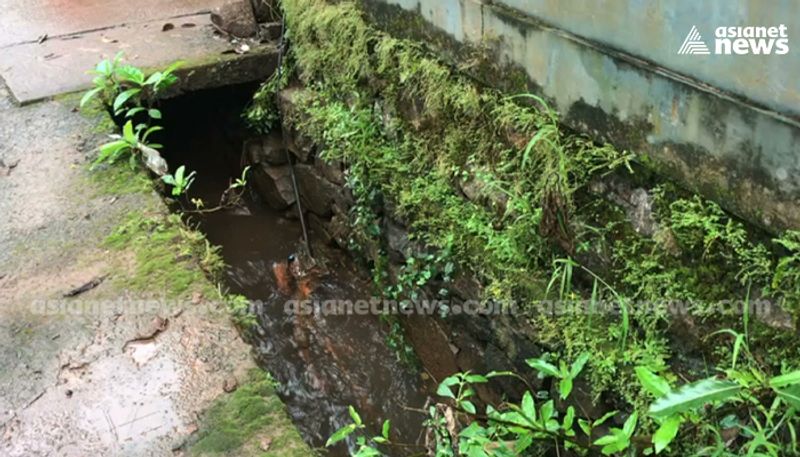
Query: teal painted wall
[725, 126]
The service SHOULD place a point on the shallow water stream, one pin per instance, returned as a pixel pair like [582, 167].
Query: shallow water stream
[322, 363]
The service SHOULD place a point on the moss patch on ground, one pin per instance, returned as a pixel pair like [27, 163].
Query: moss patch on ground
[170, 259]
[120, 179]
[251, 421]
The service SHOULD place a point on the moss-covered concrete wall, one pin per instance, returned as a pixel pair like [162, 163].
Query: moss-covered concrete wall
[726, 137]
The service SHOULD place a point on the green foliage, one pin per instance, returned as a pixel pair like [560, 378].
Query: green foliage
[169, 257]
[237, 423]
[179, 181]
[132, 141]
[750, 390]
[105, 82]
[692, 396]
[564, 373]
[366, 446]
[240, 310]
[417, 137]
[263, 111]
[786, 279]
[126, 89]
[618, 439]
[241, 182]
[513, 428]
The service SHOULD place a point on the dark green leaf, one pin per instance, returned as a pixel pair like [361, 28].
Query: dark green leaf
[667, 432]
[386, 427]
[785, 379]
[124, 97]
[543, 367]
[694, 395]
[88, 96]
[340, 434]
[652, 382]
[353, 413]
[791, 395]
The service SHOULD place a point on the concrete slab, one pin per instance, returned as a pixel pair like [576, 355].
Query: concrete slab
[82, 32]
[26, 21]
[36, 71]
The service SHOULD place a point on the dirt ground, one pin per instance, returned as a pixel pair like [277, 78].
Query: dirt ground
[76, 381]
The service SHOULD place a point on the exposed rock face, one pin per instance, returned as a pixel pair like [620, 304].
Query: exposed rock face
[478, 191]
[266, 10]
[637, 203]
[397, 239]
[274, 184]
[299, 144]
[317, 193]
[267, 149]
[236, 18]
[320, 228]
[333, 171]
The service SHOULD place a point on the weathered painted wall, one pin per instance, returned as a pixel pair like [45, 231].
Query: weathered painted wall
[655, 30]
[726, 126]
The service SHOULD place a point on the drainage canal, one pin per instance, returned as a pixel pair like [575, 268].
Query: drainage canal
[322, 363]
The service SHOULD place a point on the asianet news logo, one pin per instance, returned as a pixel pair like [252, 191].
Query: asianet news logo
[739, 40]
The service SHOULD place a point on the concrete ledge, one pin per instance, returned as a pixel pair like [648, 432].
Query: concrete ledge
[36, 71]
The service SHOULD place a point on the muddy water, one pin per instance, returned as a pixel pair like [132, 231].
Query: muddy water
[322, 363]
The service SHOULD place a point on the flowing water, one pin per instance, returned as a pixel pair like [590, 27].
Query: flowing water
[322, 363]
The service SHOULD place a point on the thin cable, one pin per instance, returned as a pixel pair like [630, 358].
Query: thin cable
[288, 154]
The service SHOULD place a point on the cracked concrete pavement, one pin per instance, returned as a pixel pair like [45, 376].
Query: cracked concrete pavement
[98, 383]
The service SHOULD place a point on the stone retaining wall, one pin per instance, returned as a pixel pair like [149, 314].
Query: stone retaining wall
[468, 342]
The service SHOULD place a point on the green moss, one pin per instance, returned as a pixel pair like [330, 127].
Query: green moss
[238, 424]
[413, 132]
[170, 258]
[120, 179]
